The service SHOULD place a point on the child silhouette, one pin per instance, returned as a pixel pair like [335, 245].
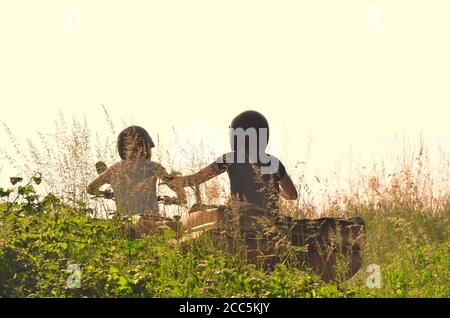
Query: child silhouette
[134, 178]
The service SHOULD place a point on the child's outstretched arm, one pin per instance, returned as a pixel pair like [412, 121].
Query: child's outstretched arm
[288, 190]
[199, 177]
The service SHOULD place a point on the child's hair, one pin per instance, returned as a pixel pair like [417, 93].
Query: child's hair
[134, 142]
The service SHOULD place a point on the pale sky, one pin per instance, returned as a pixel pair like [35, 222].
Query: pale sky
[348, 73]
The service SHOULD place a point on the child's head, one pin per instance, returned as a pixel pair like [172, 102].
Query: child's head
[248, 120]
[134, 143]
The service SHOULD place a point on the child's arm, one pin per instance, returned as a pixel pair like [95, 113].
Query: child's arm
[288, 190]
[199, 177]
[171, 181]
[94, 187]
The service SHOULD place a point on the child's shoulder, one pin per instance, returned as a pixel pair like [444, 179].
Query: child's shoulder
[115, 168]
[154, 163]
[273, 163]
[156, 166]
[274, 159]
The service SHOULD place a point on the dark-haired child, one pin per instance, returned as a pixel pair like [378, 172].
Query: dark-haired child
[134, 178]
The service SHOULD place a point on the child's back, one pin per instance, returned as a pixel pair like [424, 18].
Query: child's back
[248, 184]
[133, 179]
[134, 185]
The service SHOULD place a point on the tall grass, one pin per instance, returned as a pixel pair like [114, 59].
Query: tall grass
[405, 203]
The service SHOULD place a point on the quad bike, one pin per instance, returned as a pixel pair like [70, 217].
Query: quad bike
[329, 246]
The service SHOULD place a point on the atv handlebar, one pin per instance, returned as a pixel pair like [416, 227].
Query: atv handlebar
[167, 200]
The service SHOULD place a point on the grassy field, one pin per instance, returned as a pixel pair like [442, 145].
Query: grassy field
[50, 229]
[40, 237]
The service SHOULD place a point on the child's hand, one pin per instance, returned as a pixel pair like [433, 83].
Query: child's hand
[175, 174]
[173, 181]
